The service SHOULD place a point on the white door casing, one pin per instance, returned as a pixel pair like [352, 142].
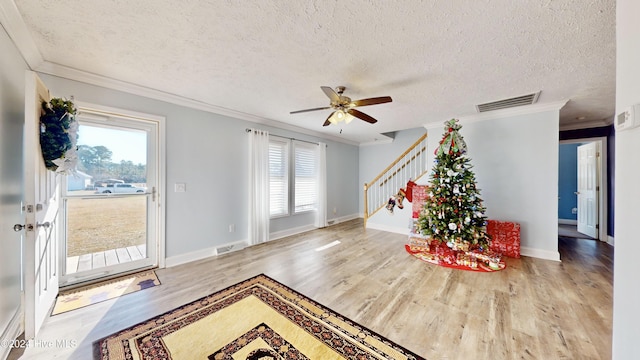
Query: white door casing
[588, 189]
[91, 115]
[41, 205]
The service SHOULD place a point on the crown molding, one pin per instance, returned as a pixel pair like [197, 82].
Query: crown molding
[511, 112]
[385, 140]
[12, 21]
[109, 83]
[587, 124]
[504, 113]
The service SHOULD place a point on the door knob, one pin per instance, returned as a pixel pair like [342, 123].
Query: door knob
[20, 227]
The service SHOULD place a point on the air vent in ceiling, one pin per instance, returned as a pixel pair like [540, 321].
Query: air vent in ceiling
[509, 103]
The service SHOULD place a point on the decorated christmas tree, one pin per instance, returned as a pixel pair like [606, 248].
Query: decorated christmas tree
[453, 213]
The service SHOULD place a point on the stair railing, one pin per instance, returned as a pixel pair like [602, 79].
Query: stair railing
[411, 165]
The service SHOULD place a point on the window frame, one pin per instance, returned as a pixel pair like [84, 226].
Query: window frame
[313, 149]
[286, 144]
[290, 167]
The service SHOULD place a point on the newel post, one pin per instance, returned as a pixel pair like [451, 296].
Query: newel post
[366, 206]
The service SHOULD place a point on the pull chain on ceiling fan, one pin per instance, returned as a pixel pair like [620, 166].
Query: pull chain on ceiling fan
[344, 108]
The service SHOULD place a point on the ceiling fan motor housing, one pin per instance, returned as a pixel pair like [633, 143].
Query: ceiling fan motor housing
[342, 105]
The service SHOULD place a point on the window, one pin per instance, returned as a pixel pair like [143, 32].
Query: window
[303, 174]
[278, 178]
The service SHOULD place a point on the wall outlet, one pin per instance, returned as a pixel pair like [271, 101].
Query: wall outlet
[335, 211]
[180, 187]
[232, 228]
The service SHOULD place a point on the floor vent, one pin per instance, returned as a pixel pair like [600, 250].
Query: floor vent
[228, 248]
[509, 103]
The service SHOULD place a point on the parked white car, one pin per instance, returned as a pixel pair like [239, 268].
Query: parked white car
[120, 188]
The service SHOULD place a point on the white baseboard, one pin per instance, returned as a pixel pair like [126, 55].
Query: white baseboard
[302, 229]
[567, 222]
[524, 251]
[342, 219]
[189, 257]
[12, 331]
[289, 232]
[540, 254]
[204, 253]
[611, 240]
[239, 245]
[393, 229]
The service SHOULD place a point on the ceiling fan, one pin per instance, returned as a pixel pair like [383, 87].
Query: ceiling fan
[343, 106]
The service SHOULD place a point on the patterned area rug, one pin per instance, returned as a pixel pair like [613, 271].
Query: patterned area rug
[95, 293]
[258, 318]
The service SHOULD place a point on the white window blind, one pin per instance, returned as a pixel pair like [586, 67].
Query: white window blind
[306, 176]
[278, 177]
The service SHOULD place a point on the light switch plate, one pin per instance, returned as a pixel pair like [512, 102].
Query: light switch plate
[180, 187]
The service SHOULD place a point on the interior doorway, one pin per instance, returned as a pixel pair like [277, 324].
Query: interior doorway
[570, 202]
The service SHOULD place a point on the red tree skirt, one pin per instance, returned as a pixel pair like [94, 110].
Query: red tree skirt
[446, 257]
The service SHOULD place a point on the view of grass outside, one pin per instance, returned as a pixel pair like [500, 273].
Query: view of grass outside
[100, 224]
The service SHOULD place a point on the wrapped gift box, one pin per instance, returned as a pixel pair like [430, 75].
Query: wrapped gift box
[420, 194]
[505, 237]
[418, 244]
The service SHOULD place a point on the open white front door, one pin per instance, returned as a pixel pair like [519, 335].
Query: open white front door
[41, 204]
[588, 189]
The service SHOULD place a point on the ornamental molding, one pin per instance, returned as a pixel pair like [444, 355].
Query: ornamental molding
[504, 113]
[12, 21]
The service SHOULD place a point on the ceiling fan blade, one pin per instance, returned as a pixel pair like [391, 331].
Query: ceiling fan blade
[327, 122]
[362, 116]
[306, 110]
[330, 93]
[372, 101]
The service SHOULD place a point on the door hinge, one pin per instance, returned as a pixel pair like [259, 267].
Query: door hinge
[153, 194]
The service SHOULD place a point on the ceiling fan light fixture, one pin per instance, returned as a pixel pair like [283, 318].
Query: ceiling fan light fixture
[343, 106]
[334, 118]
[337, 116]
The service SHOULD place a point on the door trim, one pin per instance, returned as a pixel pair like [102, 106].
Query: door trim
[106, 112]
[603, 182]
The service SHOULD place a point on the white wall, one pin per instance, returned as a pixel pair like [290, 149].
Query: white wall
[626, 287]
[12, 68]
[515, 160]
[209, 153]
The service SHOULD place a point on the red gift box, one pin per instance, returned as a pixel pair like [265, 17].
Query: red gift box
[505, 237]
[420, 194]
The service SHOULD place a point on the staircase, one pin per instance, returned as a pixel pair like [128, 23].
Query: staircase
[411, 165]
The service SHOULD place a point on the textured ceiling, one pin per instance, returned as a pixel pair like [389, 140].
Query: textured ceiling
[436, 59]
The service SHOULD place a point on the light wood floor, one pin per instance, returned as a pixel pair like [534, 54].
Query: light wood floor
[535, 309]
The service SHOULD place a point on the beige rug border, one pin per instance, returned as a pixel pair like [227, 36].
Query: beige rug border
[312, 308]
